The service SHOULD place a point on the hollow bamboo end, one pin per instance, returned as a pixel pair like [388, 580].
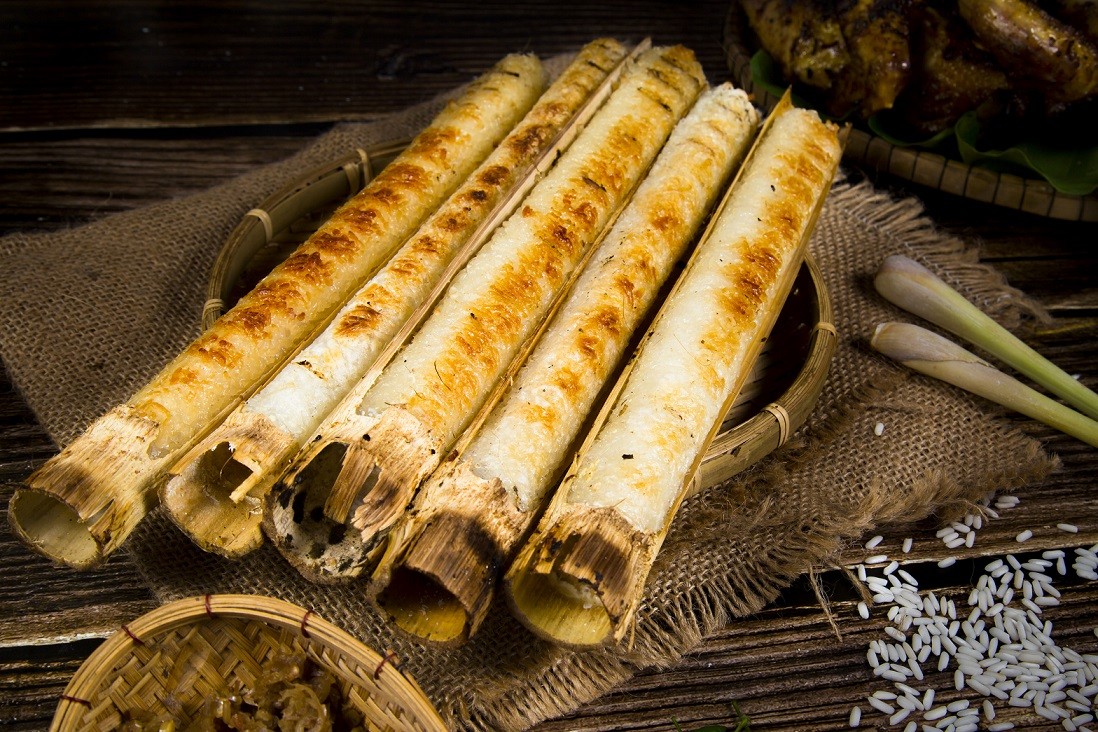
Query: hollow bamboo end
[419, 605]
[84, 503]
[579, 579]
[54, 529]
[322, 550]
[443, 580]
[198, 502]
[216, 492]
[560, 608]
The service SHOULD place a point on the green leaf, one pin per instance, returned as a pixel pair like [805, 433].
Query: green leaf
[1069, 169]
[766, 74]
[888, 129]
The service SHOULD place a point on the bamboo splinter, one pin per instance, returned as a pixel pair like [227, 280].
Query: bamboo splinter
[579, 578]
[397, 431]
[82, 504]
[471, 515]
[217, 493]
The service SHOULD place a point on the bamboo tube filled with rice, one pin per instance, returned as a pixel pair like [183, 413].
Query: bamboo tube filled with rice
[385, 438]
[82, 504]
[217, 489]
[474, 511]
[579, 578]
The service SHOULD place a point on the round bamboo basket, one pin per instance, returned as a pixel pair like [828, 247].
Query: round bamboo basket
[774, 403]
[175, 657]
[925, 168]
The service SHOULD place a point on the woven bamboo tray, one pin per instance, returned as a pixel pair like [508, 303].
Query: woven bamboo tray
[775, 401]
[178, 655]
[925, 168]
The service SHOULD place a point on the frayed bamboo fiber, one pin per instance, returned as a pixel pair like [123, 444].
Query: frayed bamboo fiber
[468, 519]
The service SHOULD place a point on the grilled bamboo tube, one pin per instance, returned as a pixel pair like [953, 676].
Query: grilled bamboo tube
[217, 490]
[578, 579]
[471, 515]
[385, 438]
[81, 505]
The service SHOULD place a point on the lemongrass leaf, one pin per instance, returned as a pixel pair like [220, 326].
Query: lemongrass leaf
[911, 286]
[929, 353]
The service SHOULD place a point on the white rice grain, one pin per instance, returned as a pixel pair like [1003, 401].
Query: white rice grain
[935, 714]
[855, 718]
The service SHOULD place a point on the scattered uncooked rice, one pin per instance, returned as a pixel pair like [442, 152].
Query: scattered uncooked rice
[996, 641]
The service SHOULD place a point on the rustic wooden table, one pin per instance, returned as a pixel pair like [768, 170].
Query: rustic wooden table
[107, 107]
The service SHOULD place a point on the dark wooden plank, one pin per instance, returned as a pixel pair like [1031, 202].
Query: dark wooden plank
[786, 669]
[51, 182]
[235, 62]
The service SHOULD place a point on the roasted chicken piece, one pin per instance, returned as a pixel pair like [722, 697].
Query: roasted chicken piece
[1038, 51]
[854, 51]
[950, 75]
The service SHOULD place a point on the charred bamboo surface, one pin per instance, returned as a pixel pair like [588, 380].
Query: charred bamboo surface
[468, 519]
[81, 505]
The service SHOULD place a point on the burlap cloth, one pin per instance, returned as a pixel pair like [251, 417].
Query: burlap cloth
[91, 313]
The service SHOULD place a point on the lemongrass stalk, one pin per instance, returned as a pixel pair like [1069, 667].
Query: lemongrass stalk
[931, 354]
[913, 287]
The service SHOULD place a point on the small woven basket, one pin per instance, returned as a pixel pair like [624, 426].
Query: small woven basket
[175, 657]
[775, 401]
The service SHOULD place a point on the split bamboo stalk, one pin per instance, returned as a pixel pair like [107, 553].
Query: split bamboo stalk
[383, 440]
[81, 505]
[218, 488]
[579, 578]
[472, 513]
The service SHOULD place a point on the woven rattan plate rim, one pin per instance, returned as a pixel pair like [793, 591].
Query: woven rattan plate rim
[96, 696]
[776, 400]
[928, 169]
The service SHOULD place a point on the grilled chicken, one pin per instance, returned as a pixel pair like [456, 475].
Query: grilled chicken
[855, 52]
[1038, 51]
[949, 74]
